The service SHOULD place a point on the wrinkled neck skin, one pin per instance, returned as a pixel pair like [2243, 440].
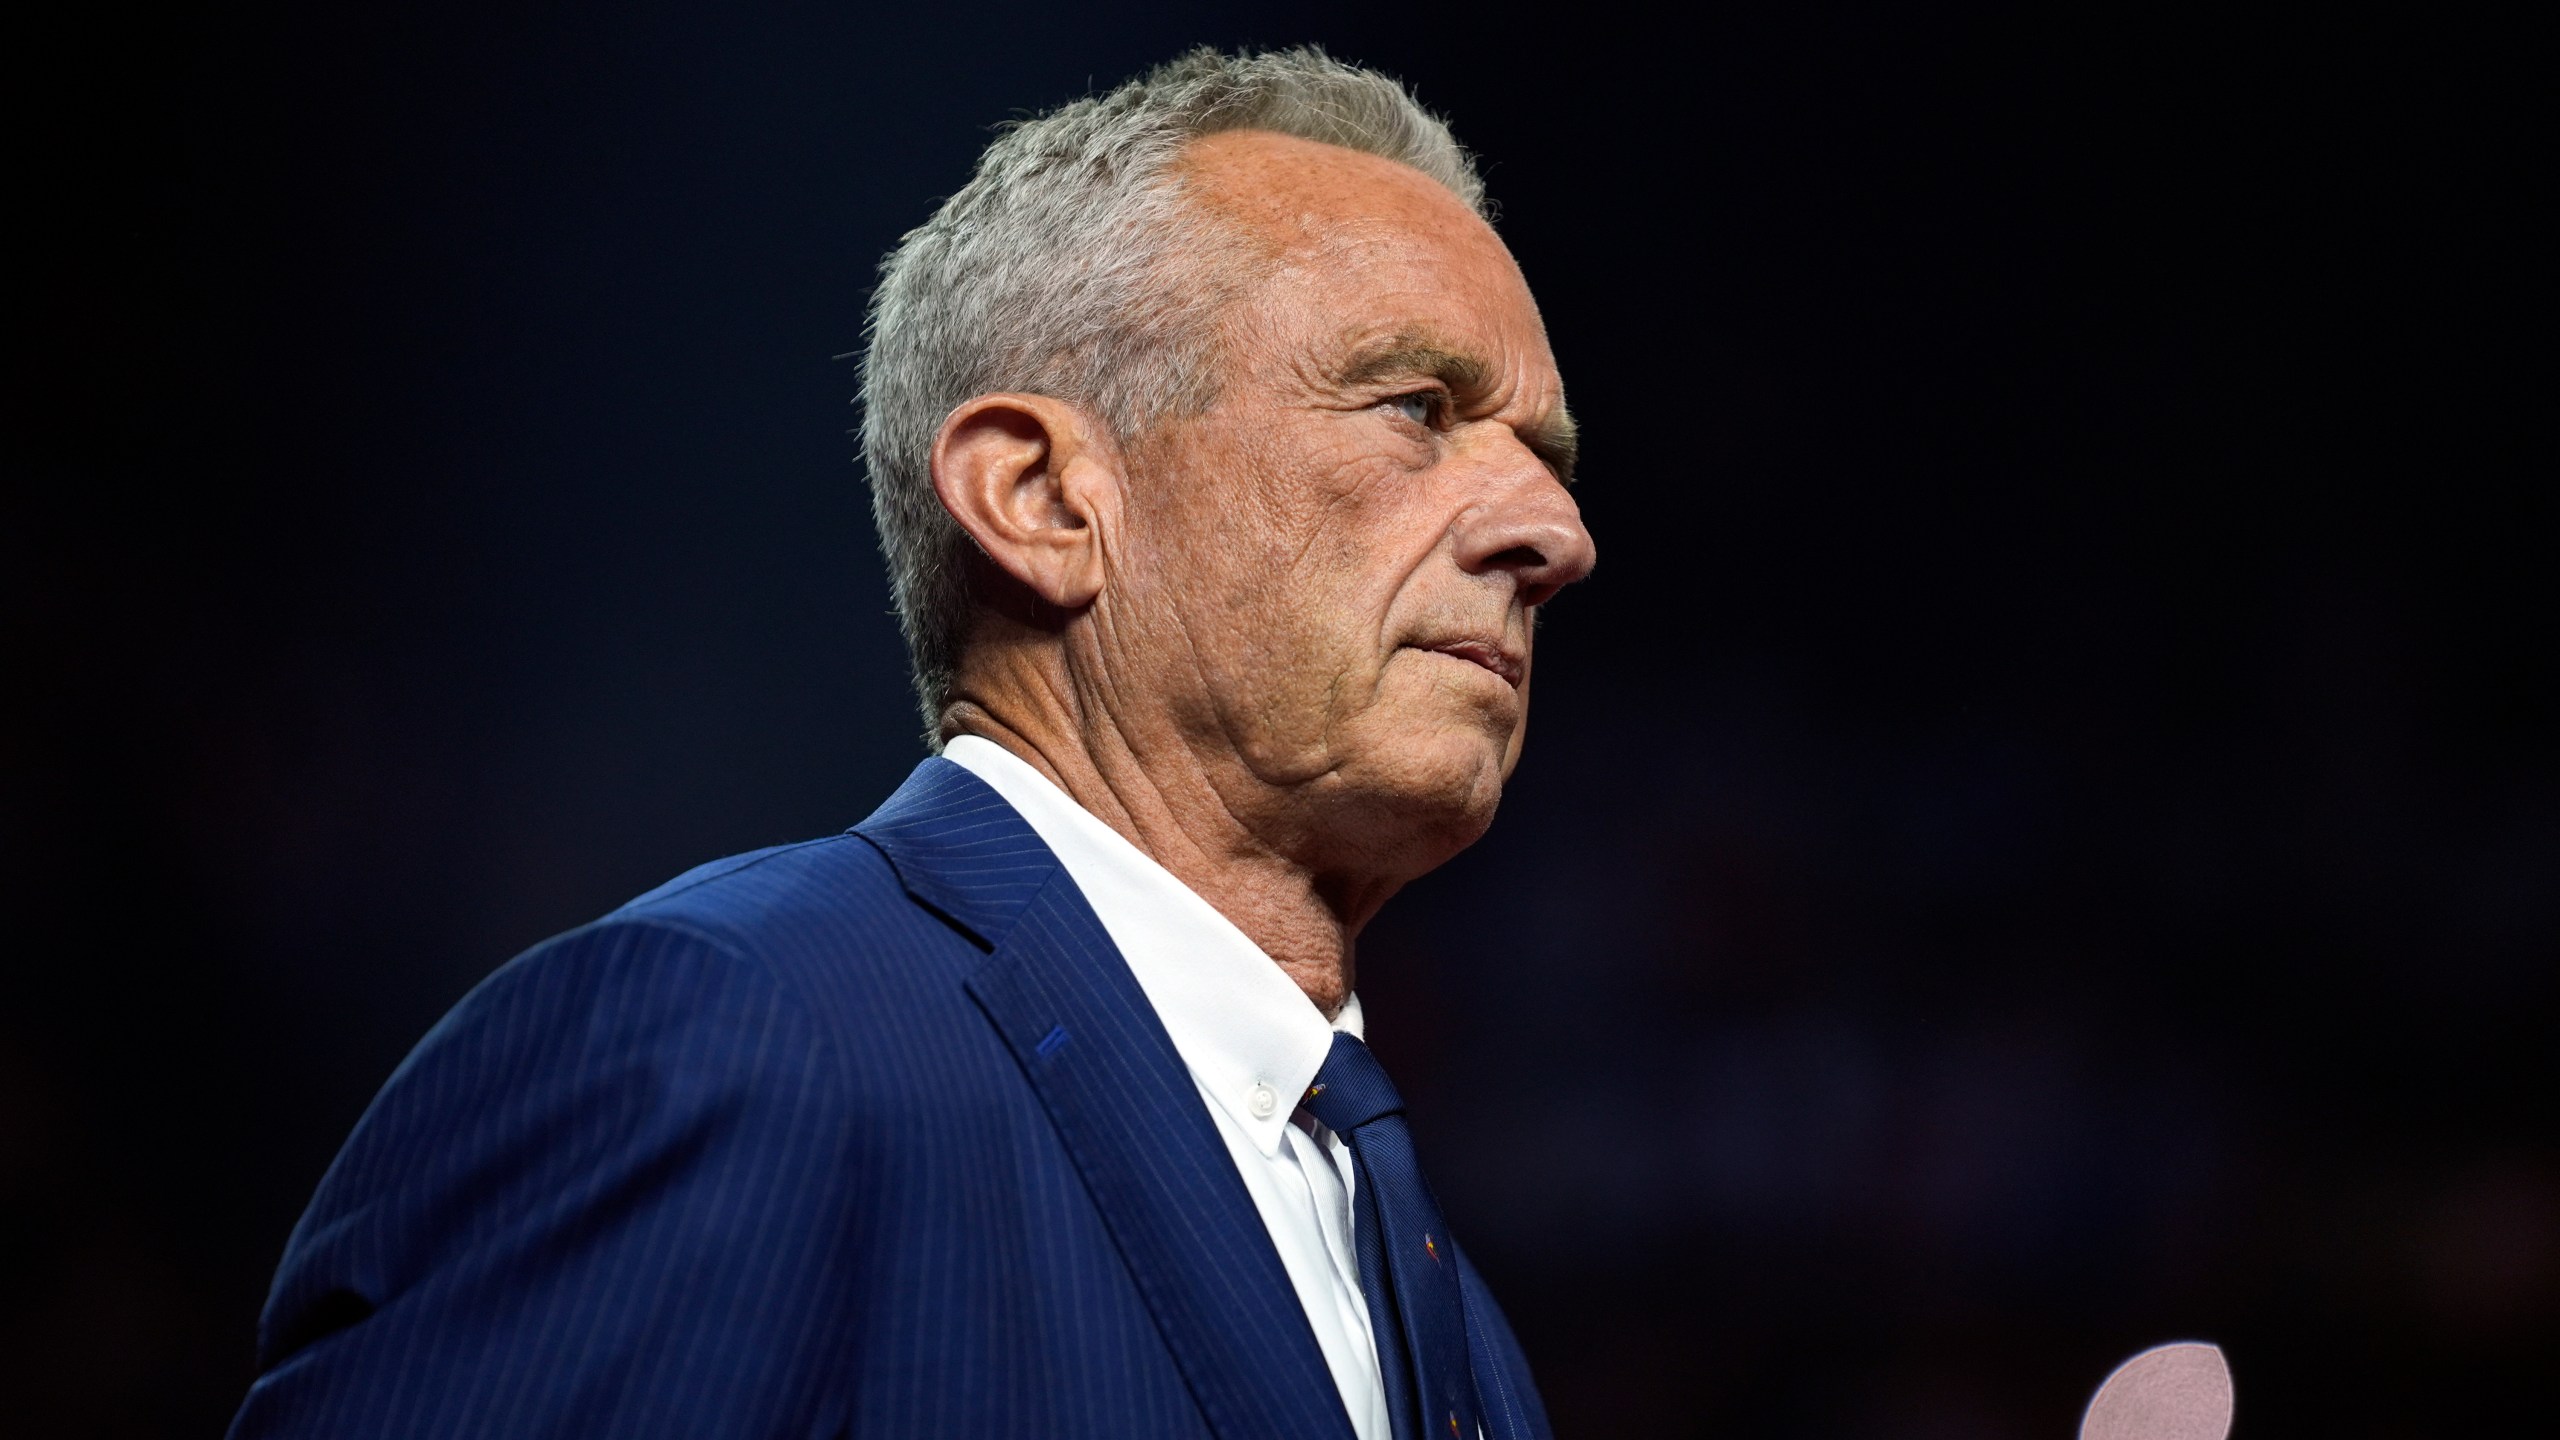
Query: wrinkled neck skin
[1261, 854]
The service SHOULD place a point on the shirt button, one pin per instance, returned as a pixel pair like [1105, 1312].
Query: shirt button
[1262, 1101]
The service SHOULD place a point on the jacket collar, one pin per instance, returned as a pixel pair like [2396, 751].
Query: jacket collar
[1123, 1106]
[960, 849]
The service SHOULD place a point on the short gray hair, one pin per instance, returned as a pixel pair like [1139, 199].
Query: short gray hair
[1071, 266]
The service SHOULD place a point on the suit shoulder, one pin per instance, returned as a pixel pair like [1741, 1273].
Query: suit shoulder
[840, 866]
[827, 921]
[835, 898]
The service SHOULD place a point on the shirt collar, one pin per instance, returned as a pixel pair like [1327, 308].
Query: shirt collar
[1249, 1036]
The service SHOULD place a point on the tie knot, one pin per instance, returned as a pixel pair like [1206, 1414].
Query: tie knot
[1351, 1089]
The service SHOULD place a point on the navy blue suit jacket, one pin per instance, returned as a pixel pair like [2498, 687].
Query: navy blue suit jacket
[874, 1135]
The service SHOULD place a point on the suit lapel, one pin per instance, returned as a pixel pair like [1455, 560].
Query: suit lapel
[1126, 1110]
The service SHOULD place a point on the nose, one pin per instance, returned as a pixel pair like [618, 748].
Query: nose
[1533, 531]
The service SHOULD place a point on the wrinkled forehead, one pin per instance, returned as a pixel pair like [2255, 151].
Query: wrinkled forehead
[1283, 183]
[1339, 243]
[1303, 201]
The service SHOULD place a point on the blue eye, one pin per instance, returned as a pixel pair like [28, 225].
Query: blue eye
[1417, 407]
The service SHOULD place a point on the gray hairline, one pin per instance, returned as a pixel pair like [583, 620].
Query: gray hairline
[1078, 262]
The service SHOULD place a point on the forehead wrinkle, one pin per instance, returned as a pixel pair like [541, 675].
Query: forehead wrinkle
[1295, 223]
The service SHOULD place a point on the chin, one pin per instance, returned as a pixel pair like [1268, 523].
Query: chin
[1423, 794]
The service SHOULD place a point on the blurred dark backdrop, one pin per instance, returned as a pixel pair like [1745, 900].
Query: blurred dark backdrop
[2040, 837]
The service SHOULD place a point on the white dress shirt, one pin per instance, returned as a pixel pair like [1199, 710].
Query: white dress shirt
[1252, 1042]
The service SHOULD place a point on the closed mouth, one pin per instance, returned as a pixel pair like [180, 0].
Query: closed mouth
[1479, 652]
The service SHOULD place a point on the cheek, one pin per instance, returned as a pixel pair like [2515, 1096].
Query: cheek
[1283, 558]
[1320, 547]
[1368, 529]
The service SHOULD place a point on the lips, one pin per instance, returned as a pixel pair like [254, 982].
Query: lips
[1486, 653]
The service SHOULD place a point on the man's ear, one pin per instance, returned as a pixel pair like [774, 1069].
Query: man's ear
[1032, 480]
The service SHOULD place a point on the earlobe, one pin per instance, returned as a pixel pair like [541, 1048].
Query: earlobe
[1024, 475]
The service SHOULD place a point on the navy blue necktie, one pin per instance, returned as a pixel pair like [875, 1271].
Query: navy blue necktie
[1408, 1270]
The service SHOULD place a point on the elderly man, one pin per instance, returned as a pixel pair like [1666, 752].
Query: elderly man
[1220, 462]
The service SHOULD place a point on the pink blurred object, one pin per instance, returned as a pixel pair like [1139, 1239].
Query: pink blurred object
[2168, 1392]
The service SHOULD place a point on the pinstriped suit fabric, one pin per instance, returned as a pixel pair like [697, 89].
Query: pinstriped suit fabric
[774, 1151]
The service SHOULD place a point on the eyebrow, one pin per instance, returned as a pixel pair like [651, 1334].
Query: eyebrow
[1406, 355]
[1554, 438]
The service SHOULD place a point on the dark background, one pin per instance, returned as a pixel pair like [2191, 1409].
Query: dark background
[2040, 838]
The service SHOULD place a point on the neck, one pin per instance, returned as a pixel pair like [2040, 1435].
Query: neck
[1174, 810]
